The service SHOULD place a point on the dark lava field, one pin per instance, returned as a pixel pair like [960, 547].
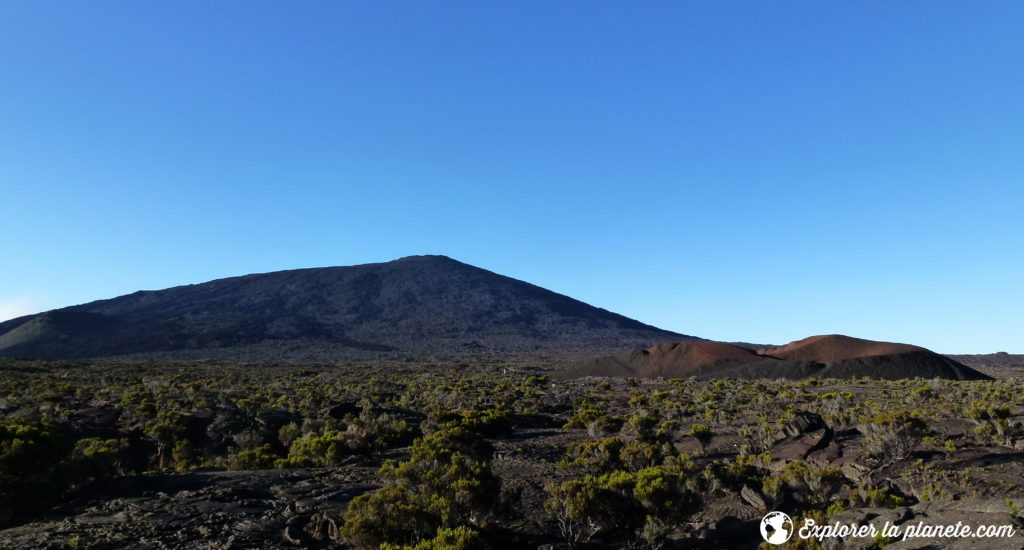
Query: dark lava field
[129, 454]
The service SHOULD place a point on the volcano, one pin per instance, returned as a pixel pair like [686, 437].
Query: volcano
[418, 307]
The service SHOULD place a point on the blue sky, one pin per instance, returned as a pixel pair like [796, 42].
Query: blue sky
[756, 171]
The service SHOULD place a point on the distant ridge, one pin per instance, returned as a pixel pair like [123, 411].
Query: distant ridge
[418, 307]
[1000, 359]
[832, 355]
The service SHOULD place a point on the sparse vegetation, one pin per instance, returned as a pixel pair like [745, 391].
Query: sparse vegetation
[460, 456]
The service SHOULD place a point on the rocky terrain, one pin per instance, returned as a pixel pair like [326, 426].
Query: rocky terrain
[833, 356]
[420, 307]
[224, 455]
[204, 509]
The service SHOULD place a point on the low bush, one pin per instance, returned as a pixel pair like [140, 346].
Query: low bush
[446, 483]
[623, 507]
[30, 479]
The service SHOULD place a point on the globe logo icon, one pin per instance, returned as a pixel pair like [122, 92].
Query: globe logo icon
[776, 528]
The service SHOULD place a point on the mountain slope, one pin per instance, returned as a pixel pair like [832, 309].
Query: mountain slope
[415, 307]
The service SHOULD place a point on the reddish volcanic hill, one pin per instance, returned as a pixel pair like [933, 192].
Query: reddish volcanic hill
[824, 356]
[830, 348]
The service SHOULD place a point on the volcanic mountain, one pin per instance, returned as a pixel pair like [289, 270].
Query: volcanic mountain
[833, 356]
[419, 307]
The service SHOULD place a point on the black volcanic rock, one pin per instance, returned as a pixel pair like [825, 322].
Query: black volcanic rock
[416, 307]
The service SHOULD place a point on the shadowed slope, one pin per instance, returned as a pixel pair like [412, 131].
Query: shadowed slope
[911, 364]
[416, 307]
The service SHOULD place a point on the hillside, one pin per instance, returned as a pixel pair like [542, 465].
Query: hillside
[422, 307]
[830, 348]
[834, 356]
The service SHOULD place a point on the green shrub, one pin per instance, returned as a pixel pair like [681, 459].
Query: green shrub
[164, 432]
[317, 450]
[608, 455]
[702, 434]
[602, 455]
[30, 479]
[260, 458]
[876, 497]
[93, 459]
[890, 437]
[642, 424]
[288, 433]
[446, 483]
[371, 431]
[639, 455]
[810, 484]
[623, 507]
[459, 538]
[182, 455]
[745, 469]
[484, 423]
[594, 420]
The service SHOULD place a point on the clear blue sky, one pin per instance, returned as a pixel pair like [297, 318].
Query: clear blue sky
[756, 171]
